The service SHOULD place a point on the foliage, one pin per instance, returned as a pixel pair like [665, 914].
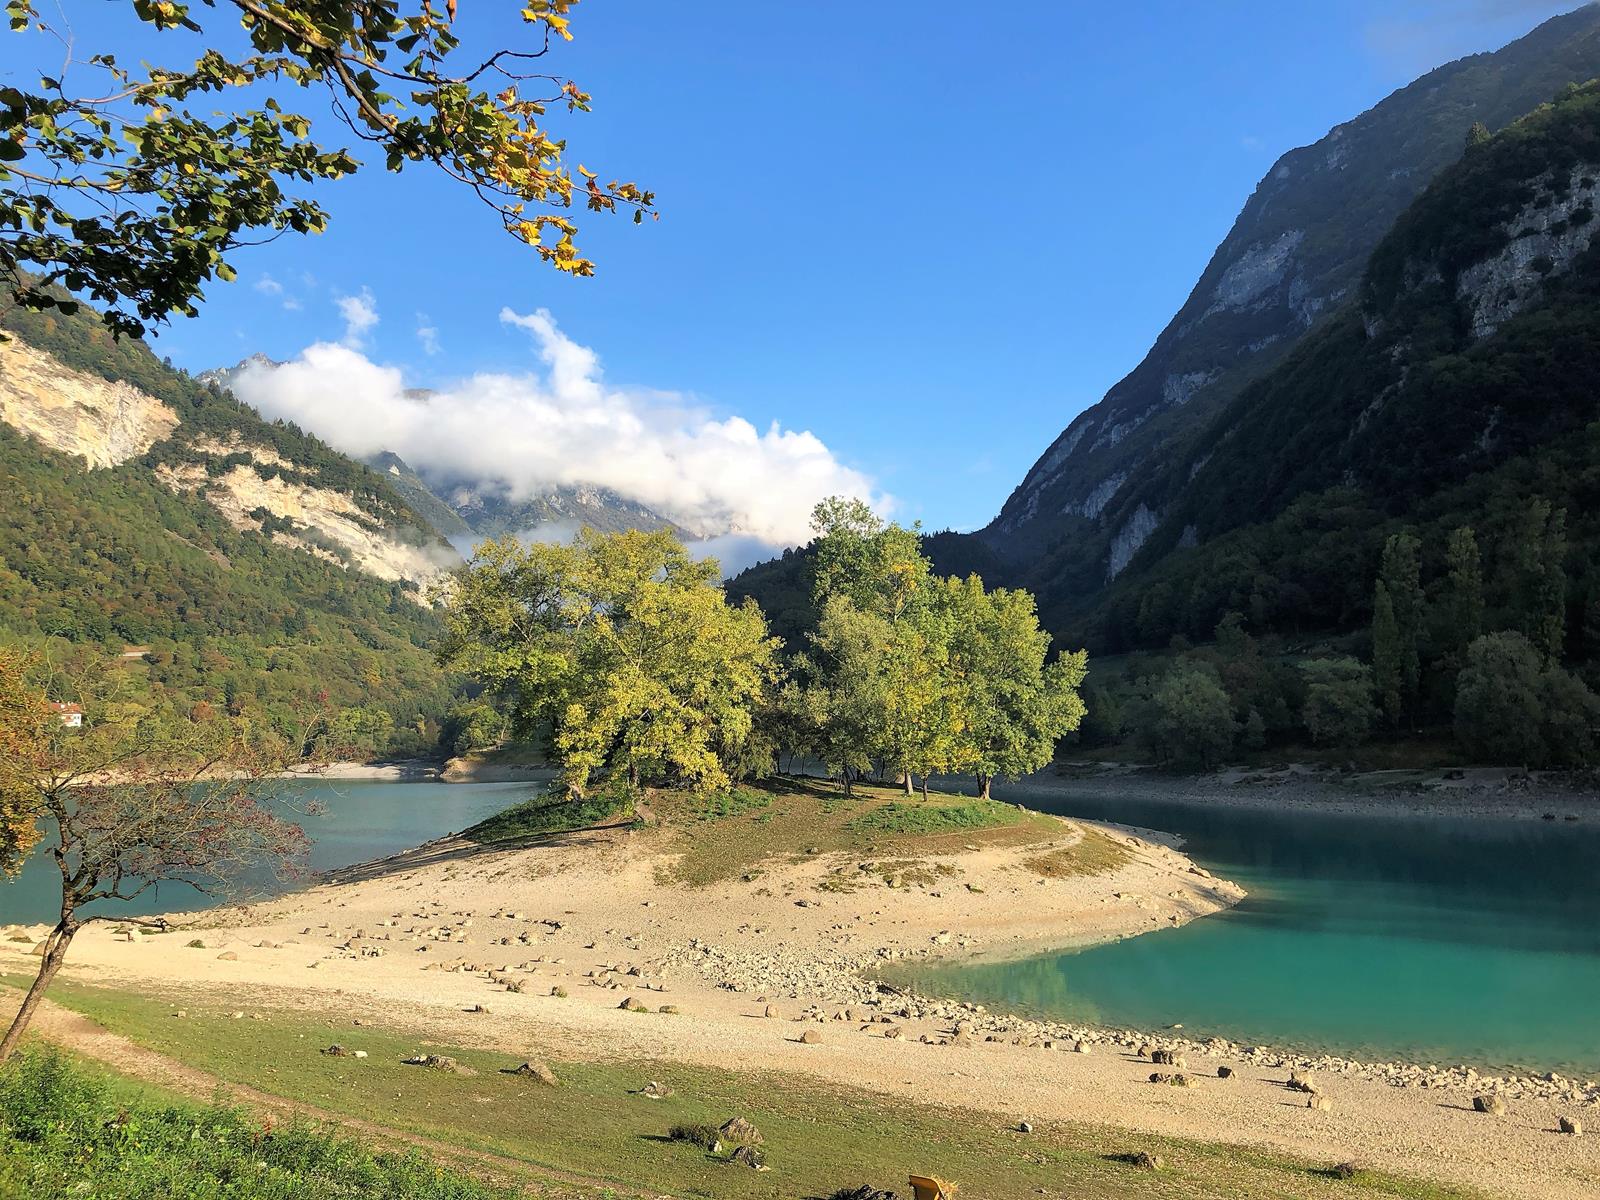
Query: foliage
[620, 645]
[1188, 716]
[1339, 709]
[471, 725]
[1512, 707]
[63, 1134]
[911, 673]
[135, 186]
[1396, 625]
[125, 805]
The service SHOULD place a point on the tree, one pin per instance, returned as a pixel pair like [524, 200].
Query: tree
[879, 567]
[1189, 716]
[1462, 602]
[1536, 551]
[122, 806]
[1477, 134]
[1396, 624]
[1010, 706]
[621, 646]
[131, 188]
[1338, 710]
[1513, 707]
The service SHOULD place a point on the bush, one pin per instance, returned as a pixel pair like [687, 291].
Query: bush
[1339, 708]
[63, 1136]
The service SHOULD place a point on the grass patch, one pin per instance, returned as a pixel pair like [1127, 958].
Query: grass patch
[550, 812]
[1097, 853]
[817, 1138]
[66, 1133]
[918, 818]
[730, 835]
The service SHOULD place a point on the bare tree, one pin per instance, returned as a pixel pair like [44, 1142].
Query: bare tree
[122, 805]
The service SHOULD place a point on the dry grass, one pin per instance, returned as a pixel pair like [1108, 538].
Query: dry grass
[1095, 853]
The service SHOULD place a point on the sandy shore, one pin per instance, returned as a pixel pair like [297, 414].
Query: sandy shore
[751, 964]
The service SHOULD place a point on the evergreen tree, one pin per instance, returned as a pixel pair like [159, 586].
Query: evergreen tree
[1477, 135]
[1550, 626]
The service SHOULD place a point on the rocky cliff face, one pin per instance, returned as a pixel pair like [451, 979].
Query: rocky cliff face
[101, 422]
[1294, 255]
[111, 423]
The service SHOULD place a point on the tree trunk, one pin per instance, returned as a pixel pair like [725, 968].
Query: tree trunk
[910, 787]
[55, 951]
[924, 787]
[983, 787]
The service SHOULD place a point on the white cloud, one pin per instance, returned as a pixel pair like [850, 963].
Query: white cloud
[360, 315]
[268, 286]
[427, 335]
[564, 425]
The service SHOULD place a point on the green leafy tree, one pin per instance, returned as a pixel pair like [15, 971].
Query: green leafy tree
[1189, 717]
[1462, 602]
[1512, 707]
[1396, 625]
[134, 186]
[1339, 710]
[1011, 706]
[621, 646]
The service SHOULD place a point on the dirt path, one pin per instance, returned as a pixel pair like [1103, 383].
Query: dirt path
[74, 1032]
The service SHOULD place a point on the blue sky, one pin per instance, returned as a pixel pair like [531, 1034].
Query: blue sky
[928, 233]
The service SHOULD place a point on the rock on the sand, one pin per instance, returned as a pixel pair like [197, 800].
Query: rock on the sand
[1571, 1125]
[1319, 1103]
[1493, 1105]
[810, 1037]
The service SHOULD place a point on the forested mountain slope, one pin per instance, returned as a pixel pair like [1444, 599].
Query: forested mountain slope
[1456, 389]
[1293, 258]
[257, 566]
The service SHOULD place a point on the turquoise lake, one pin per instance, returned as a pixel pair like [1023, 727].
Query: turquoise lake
[357, 822]
[1434, 939]
[1431, 939]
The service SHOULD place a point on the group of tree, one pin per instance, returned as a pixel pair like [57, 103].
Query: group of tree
[625, 654]
[913, 674]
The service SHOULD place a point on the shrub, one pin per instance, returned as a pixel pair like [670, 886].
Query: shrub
[915, 819]
[1339, 708]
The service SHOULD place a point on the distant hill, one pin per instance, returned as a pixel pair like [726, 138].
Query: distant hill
[1291, 264]
[1455, 388]
[257, 565]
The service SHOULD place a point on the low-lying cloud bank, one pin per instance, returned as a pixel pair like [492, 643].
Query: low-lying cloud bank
[528, 433]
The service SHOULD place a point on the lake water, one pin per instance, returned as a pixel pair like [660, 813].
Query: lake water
[1441, 940]
[357, 822]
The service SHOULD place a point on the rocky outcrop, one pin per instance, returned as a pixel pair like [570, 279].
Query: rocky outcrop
[1544, 239]
[321, 521]
[102, 422]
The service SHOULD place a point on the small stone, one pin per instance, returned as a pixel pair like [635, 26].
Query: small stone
[1146, 1161]
[227, 956]
[1024, 1127]
[536, 1070]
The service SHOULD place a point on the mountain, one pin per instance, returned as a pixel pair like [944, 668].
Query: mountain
[1293, 260]
[250, 564]
[1454, 389]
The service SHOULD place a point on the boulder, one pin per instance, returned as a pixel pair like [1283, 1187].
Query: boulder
[1319, 1103]
[749, 1156]
[1146, 1161]
[1226, 1073]
[1344, 1170]
[535, 1070]
[655, 1091]
[810, 1037]
[438, 1062]
[1571, 1125]
[1167, 1058]
[1302, 1082]
[1492, 1104]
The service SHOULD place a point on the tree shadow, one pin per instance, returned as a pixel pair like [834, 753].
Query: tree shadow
[458, 849]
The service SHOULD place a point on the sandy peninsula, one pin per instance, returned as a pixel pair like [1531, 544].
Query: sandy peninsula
[771, 969]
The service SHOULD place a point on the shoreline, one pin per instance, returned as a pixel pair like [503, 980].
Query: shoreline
[554, 934]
